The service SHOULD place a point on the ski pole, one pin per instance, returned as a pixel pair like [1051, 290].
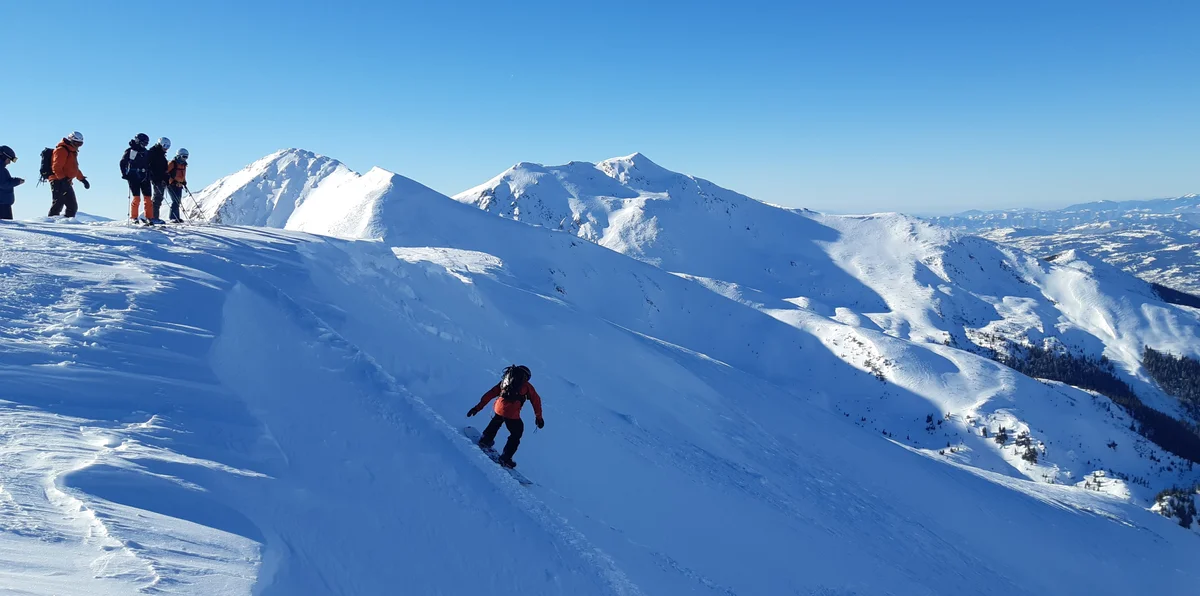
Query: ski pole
[196, 211]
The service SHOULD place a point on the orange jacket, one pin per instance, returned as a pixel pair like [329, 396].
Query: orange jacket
[66, 162]
[177, 173]
[512, 408]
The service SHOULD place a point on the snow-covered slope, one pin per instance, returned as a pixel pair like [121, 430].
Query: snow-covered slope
[762, 401]
[1157, 240]
[218, 410]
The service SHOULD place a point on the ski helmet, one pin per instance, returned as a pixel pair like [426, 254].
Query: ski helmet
[182, 154]
[165, 142]
[6, 152]
[142, 139]
[76, 137]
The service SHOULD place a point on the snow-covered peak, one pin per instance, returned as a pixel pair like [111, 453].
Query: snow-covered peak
[637, 170]
[285, 164]
[301, 190]
[266, 192]
[618, 203]
[294, 155]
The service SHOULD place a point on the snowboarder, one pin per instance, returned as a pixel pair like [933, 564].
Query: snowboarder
[65, 168]
[135, 169]
[177, 182]
[8, 183]
[157, 160]
[513, 390]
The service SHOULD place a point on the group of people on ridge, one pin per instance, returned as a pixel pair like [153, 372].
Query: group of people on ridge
[150, 174]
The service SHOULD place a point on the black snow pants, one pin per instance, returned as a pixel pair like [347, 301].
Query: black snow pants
[159, 188]
[63, 194]
[516, 428]
[176, 193]
[138, 185]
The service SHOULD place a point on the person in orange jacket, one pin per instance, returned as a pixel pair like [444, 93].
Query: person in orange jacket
[513, 390]
[65, 165]
[177, 182]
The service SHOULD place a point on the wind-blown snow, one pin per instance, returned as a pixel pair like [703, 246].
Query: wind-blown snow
[233, 410]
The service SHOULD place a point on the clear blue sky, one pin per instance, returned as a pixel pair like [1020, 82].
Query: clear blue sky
[844, 106]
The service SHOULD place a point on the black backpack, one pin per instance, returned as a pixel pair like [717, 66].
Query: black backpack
[513, 384]
[47, 165]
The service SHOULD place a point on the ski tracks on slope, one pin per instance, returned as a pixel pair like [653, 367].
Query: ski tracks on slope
[553, 523]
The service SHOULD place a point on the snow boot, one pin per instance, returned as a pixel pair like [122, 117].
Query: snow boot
[506, 462]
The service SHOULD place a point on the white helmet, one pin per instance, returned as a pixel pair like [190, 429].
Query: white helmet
[182, 153]
[75, 137]
[165, 142]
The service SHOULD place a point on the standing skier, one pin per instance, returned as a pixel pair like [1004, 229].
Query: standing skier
[157, 161]
[513, 389]
[176, 182]
[7, 182]
[65, 171]
[135, 169]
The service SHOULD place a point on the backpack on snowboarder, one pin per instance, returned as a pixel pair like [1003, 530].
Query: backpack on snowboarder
[513, 384]
[47, 169]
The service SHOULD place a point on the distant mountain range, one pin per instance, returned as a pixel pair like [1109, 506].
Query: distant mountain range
[1157, 240]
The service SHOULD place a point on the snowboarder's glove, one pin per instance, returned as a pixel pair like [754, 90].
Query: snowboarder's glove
[19, 181]
[473, 411]
[539, 422]
[86, 185]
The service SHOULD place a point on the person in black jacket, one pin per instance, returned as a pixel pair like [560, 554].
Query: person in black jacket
[7, 182]
[158, 173]
[135, 169]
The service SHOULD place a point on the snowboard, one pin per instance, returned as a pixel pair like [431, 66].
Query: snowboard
[474, 434]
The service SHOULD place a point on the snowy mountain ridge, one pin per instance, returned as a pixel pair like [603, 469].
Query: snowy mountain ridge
[896, 271]
[760, 401]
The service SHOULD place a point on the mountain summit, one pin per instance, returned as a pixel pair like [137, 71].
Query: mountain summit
[268, 191]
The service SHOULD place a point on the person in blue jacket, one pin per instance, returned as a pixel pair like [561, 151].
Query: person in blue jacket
[8, 183]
